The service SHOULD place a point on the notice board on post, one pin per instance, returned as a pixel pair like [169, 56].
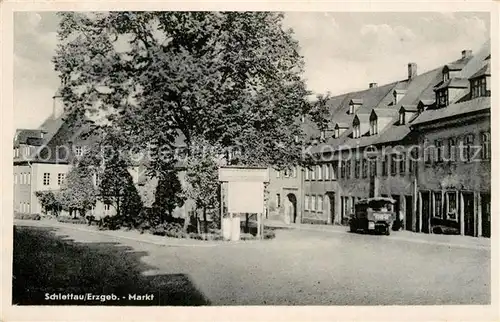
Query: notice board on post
[245, 197]
[245, 188]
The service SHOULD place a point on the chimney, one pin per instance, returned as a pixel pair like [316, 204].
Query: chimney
[466, 53]
[372, 85]
[57, 105]
[412, 70]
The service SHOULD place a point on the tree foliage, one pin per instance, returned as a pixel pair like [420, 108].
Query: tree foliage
[202, 182]
[231, 78]
[168, 194]
[49, 202]
[78, 192]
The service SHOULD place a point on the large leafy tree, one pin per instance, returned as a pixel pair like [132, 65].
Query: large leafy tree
[231, 78]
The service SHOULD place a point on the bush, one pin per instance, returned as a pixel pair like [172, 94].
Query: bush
[18, 215]
[169, 230]
[269, 234]
[209, 236]
[110, 223]
[70, 220]
[247, 236]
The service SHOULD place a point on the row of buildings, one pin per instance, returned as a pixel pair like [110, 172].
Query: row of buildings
[424, 141]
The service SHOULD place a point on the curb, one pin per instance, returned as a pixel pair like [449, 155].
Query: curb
[159, 243]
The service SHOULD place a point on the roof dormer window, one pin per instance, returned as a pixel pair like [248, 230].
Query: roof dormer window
[336, 133]
[398, 95]
[442, 97]
[354, 104]
[373, 126]
[357, 131]
[402, 120]
[446, 75]
[322, 136]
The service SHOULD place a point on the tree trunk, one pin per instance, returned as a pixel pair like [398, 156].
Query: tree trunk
[205, 219]
[197, 222]
[118, 206]
[246, 222]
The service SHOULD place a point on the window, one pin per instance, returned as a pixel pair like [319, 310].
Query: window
[78, 150]
[313, 203]
[347, 169]
[402, 118]
[357, 168]
[107, 207]
[326, 169]
[342, 168]
[446, 76]
[373, 167]
[485, 146]
[428, 150]
[469, 150]
[452, 149]
[393, 164]
[438, 205]
[277, 173]
[337, 133]
[335, 168]
[385, 165]
[373, 126]
[365, 168]
[278, 200]
[28, 177]
[439, 150]
[313, 173]
[478, 87]
[307, 202]
[351, 109]
[319, 169]
[442, 97]
[308, 176]
[413, 159]
[46, 179]
[402, 163]
[320, 203]
[60, 178]
[357, 131]
[451, 208]
[322, 136]
[294, 172]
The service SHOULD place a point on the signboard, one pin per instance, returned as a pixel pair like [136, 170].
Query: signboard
[245, 197]
[232, 174]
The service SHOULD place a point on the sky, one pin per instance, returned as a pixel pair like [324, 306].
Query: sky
[342, 51]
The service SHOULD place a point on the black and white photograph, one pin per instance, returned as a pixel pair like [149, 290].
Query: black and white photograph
[182, 158]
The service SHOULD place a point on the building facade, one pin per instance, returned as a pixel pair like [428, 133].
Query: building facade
[391, 140]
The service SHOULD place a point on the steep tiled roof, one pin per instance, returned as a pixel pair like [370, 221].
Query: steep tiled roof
[385, 112]
[453, 83]
[484, 71]
[474, 105]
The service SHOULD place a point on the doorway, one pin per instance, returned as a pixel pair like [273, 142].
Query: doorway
[291, 208]
[485, 215]
[468, 213]
[330, 206]
[408, 213]
[426, 203]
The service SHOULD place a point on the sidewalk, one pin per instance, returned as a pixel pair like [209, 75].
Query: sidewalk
[124, 234]
[447, 240]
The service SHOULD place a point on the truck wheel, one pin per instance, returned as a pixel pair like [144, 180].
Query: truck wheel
[352, 227]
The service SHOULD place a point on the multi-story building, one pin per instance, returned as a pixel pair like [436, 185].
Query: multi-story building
[43, 158]
[378, 143]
